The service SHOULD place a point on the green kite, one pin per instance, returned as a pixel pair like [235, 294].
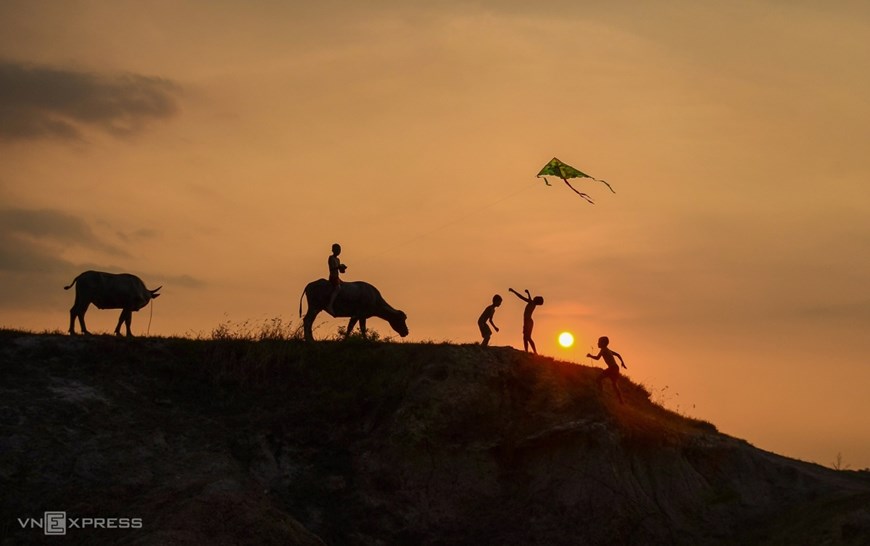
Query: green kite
[565, 171]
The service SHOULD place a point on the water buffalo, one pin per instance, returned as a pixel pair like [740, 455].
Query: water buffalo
[357, 300]
[108, 291]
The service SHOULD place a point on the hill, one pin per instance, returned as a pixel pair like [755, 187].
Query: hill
[229, 441]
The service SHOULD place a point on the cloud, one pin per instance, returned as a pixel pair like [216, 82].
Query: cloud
[41, 102]
[22, 257]
[37, 227]
[138, 235]
[855, 312]
[33, 269]
[186, 281]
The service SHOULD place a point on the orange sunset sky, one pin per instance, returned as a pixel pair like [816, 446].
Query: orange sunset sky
[219, 148]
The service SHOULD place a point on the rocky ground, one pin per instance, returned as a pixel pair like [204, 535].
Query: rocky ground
[281, 442]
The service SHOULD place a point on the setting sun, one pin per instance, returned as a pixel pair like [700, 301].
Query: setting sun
[566, 339]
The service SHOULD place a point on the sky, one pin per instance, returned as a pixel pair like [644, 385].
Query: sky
[219, 148]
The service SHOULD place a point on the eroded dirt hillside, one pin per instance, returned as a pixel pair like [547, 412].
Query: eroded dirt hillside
[281, 442]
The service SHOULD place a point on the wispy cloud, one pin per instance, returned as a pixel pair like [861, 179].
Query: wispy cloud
[50, 226]
[44, 102]
[138, 235]
[21, 257]
[33, 265]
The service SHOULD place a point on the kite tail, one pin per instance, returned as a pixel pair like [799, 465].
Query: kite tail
[580, 193]
[547, 182]
[603, 182]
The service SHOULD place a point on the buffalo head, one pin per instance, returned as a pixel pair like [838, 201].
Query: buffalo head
[398, 323]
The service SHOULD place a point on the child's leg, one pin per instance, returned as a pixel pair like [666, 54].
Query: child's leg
[527, 335]
[332, 296]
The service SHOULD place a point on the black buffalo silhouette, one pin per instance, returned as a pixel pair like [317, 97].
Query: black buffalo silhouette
[109, 291]
[357, 300]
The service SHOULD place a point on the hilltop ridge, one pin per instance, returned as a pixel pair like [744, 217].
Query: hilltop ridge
[273, 442]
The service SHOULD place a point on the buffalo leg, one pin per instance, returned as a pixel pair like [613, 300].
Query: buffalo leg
[127, 322]
[350, 326]
[78, 310]
[125, 318]
[362, 327]
[307, 323]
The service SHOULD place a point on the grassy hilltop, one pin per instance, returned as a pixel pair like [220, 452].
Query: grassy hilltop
[273, 441]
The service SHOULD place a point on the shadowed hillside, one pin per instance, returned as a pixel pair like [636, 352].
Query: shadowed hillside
[232, 441]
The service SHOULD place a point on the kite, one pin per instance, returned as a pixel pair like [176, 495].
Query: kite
[565, 171]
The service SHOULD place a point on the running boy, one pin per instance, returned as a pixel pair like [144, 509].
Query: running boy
[612, 370]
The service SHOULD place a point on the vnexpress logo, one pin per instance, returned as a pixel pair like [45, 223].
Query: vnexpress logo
[57, 523]
[54, 523]
[51, 523]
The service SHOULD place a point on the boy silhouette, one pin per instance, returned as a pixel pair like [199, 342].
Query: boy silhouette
[487, 315]
[335, 268]
[528, 323]
[612, 370]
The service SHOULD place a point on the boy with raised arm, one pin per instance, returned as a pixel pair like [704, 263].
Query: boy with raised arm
[528, 323]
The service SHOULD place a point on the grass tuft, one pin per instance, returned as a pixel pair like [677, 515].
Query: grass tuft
[274, 329]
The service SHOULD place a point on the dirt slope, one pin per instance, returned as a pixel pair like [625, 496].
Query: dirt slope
[244, 442]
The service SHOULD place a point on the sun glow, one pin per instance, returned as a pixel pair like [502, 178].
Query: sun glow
[566, 339]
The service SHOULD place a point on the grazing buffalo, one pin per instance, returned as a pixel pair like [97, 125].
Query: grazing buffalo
[108, 291]
[357, 300]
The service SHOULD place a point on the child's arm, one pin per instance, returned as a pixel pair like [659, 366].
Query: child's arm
[491, 322]
[525, 299]
[596, 357]
[619, 356]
